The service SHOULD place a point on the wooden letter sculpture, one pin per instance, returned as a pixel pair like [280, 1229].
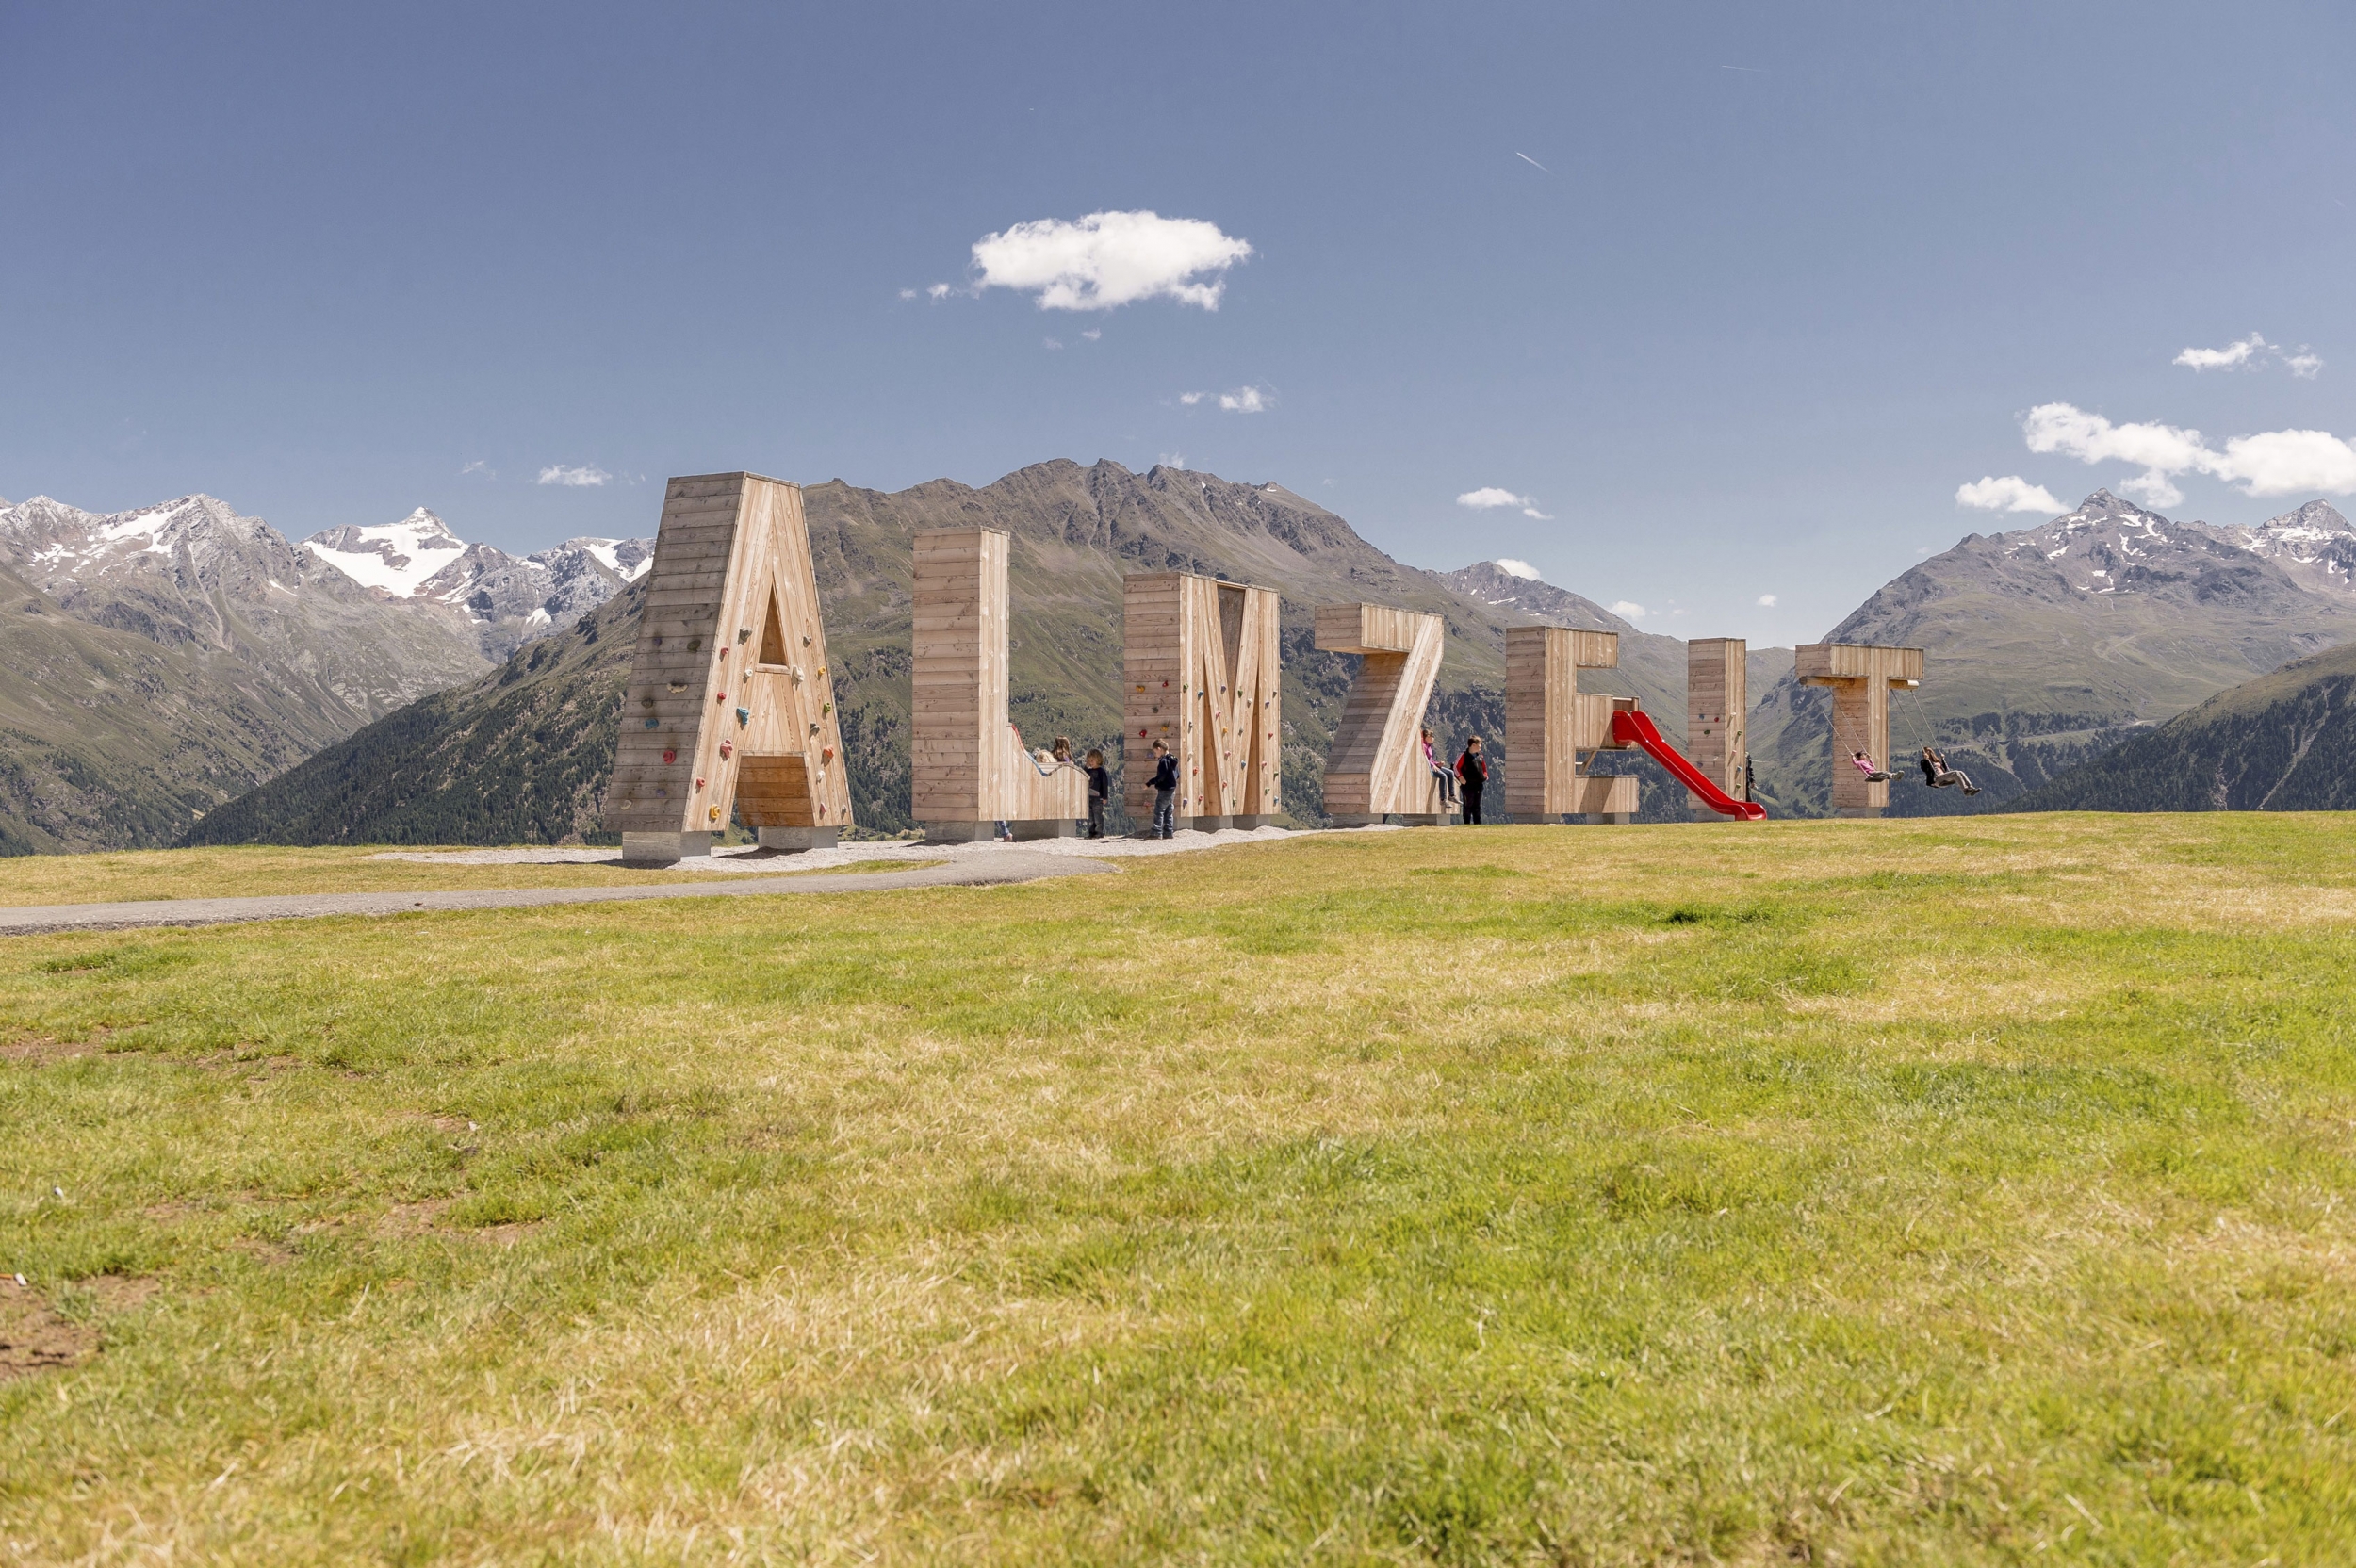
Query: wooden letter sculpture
[1549, 721]
[1377, 766]
[1202, 675]
[1717, 695]
[971, 771]
[729, 704]
[1860, 677]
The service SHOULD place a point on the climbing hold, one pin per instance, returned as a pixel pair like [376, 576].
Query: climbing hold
[725, 747]
[795, 671]
[700, 784]
[663, 795]
[678, 685]
[805, 639]
[744, 717]
[712, 813]
[645, 702]
[826, 707]
[658, 640]
[814, 729]
[1164, 685]
[1140, 734]
[827, 756]
[694, 644]
[1140, 688]
[719, 696]
[744, 634]
[670, 754]
[822, 672]
[822, 807]
[654, 724]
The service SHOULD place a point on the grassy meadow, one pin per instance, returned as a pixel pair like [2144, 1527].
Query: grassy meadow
[1963, 1191]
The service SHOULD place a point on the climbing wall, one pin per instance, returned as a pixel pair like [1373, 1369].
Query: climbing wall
[1717, 698]
[970, 769]
[1203, 674]
[1549, 721]
[1861, 676]
[1376, 767]
[731, 709]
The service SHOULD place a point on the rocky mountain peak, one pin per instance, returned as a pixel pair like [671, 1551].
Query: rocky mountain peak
[1516, 589]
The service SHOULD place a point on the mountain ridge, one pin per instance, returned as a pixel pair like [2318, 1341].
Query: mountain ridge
[1076, 531]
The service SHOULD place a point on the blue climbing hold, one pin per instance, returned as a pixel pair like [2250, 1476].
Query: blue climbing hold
[744, 716]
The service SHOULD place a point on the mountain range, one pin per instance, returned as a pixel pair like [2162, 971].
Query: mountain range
[420, 777]
[398, 684]
[2048, 645]
[2286, 742]
[168, 658]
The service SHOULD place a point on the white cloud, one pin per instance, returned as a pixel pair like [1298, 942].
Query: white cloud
[1512, 567]
[2009, 493]
[1490, 496]
[2271, 463]
[1172, 460]
[2151, 488]
[1093, 333]
[1051, 343]
[938, 291]
[2233, 356]
[2090, 438]
[1629, 611]
[2284, 462]
[1191, 399]
[561, 474]
[477, 467]
[1108, 259]
[2253, 353]
[907, 293]
[1767, 601]
[1245, 400]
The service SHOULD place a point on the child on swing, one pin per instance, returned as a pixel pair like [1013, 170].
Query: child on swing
[1937, 774]
[1865, 765]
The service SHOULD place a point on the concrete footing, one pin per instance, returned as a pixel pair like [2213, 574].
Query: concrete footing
[663, 849]
[792, 838]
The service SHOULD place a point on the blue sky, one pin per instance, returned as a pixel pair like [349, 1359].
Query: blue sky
[1735, 297]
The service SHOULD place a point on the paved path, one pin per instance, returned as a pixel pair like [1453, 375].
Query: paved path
[1008, 864]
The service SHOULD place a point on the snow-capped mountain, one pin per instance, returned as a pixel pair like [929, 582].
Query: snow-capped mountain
[510, 599]
[2315, 545]
[165, 659]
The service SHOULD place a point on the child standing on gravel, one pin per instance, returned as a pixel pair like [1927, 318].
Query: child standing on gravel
[1099, 791]
[1165, 793]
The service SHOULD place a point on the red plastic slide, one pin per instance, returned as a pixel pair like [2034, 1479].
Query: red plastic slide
[1632, 727]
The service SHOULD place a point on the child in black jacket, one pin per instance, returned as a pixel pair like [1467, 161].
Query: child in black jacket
[1100, 789]
[1165, 793]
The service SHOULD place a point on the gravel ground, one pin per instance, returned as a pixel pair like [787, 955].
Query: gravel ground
[751, 860]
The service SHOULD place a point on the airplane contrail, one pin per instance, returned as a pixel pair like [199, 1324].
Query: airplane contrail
[1533, 163]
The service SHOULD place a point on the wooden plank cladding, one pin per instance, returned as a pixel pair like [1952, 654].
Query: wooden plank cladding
[1377, 766]
[1861, 676]
[969, 765]
[751, 731]
[1549, 723]
[1202, 673]
[1717, 699]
